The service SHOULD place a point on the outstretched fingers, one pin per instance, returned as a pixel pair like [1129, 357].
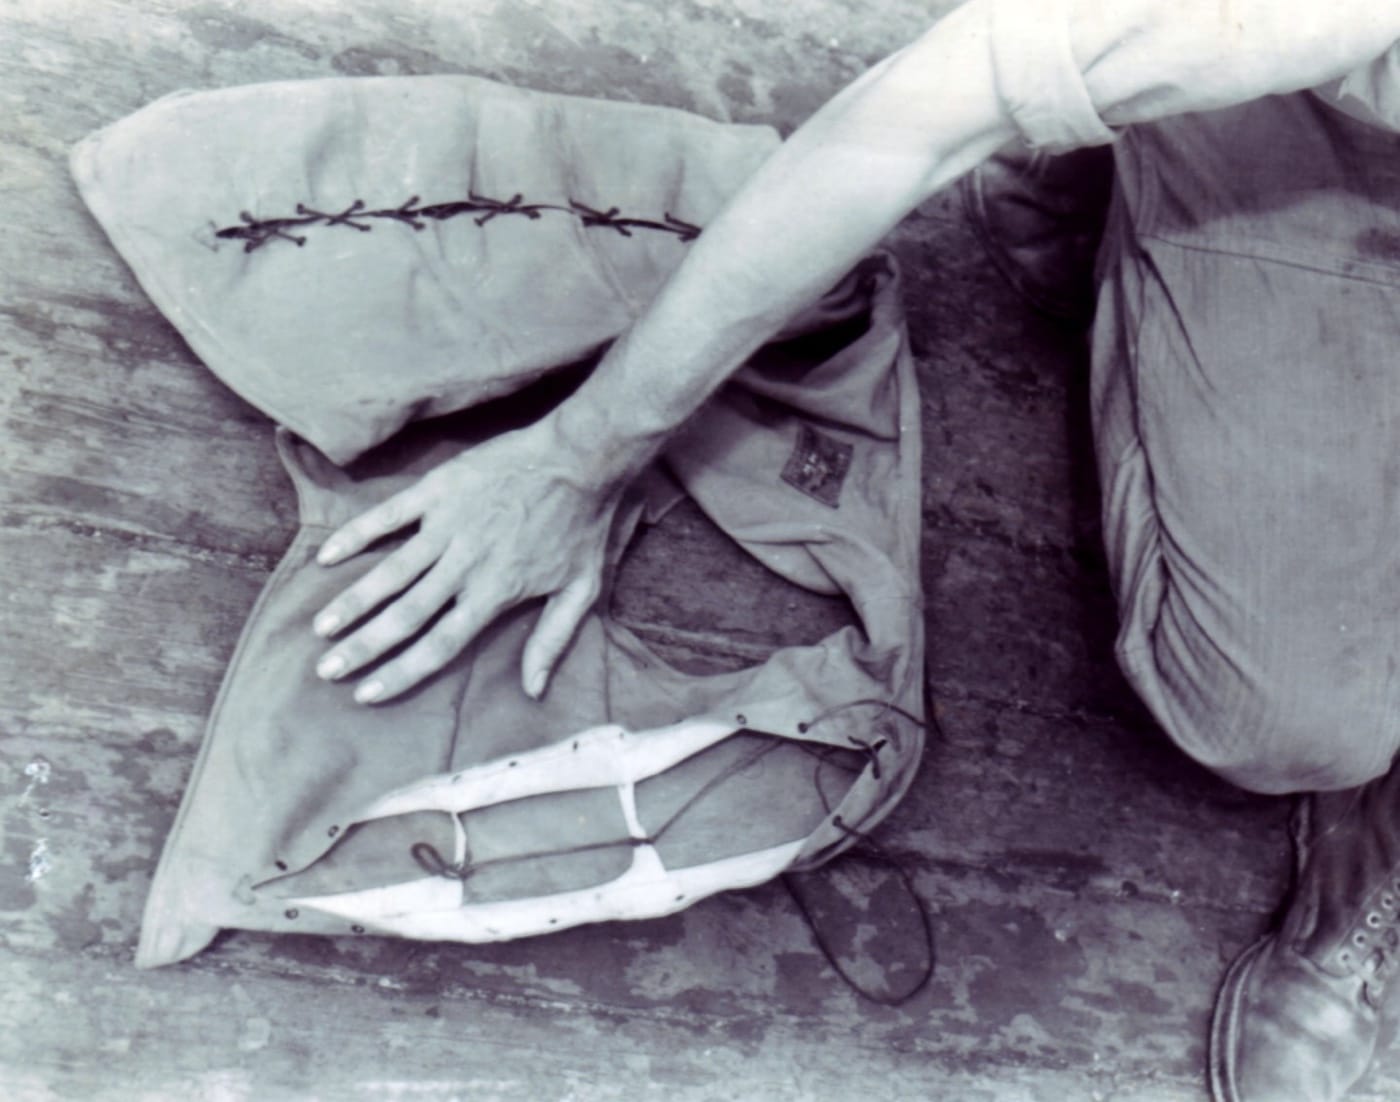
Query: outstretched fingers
[397, 623]
[420, 607]
[392, 576]
[439, 645]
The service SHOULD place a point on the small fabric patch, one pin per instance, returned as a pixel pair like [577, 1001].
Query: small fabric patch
[818, 466]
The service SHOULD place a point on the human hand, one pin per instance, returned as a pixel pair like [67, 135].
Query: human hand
[514, 518]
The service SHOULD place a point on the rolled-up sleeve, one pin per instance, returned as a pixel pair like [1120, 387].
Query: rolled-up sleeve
[1370, 93]
[1069, 71]
[1038, 78]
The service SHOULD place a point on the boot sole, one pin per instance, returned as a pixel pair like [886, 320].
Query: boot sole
[1225, 1023]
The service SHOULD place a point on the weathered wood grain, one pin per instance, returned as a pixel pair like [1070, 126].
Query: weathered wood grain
[1007, 440]
[774, 63]
[1027, 1003]
[107, 633]
[207, 1033]
[154, 448]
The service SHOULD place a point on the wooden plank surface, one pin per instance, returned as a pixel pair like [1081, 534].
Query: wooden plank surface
[1087, 883]
[218, 1034]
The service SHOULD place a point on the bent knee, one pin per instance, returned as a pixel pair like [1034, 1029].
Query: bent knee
[1280, 732]
[1292, 764]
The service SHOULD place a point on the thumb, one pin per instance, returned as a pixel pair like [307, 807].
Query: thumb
[562, 614]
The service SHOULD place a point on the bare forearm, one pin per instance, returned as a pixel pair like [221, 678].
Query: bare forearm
[528, 514]
[838, 185]
[910, 125]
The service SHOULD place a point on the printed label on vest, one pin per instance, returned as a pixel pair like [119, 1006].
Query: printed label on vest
[818, 466]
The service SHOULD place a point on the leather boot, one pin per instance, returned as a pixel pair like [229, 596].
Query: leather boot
[1041, 218]
[1299, 1012]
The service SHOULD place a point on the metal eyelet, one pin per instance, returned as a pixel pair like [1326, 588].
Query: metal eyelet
[1388, 901]
[1373, 920]
[1359, 940]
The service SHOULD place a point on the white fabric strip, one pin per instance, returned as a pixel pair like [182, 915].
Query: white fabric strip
[432, 910]
[601, 757]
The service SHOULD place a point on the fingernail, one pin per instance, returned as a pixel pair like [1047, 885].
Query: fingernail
[535, 686]
[329, 553]
[369, 692]
[326, 624]
[331, 666]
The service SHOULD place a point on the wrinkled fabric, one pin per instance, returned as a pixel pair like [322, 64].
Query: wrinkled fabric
[1247, 407]
[1038, 80]
[453, 316]
[1370, 93]
[361, 342]
[1162, 58]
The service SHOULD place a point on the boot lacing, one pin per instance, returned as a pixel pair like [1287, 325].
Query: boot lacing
[1372, 952]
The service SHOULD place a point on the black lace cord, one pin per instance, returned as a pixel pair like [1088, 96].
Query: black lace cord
[885, 706]
[611, 218]
[868, 849]
[257, 232]
[430, 859]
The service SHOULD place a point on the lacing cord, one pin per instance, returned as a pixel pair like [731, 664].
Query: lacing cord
[869, 850]
[256, 232]
[430, 859]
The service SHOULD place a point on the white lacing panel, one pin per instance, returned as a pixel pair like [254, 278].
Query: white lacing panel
[436, 908]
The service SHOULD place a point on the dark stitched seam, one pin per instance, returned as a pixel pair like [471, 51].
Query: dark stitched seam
[257, 232]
